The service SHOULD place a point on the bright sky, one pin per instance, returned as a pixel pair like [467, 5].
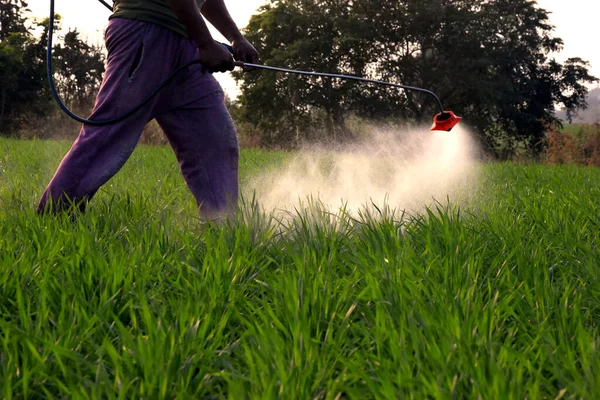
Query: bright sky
[576, 23]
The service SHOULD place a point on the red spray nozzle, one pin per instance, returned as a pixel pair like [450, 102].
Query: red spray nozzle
[445, 121]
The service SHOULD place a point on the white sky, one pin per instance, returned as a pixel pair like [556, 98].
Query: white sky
[576, 23]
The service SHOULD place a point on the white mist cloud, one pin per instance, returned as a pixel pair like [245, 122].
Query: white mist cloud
[402, 170]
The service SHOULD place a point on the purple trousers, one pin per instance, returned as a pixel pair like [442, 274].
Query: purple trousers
[190, 111]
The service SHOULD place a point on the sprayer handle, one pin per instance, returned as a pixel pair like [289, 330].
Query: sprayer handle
[228, 47]
[236, 63]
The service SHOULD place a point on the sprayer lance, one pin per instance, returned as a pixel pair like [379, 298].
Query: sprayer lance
[444, 121]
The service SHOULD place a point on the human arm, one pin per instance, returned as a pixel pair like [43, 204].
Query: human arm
[217, 14]
[214, 57]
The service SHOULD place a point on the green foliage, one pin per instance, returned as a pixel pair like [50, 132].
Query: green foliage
[12, 17]
[499, 298]
[79, 69]
[21, 67]
[303, 35]
[487, 60]
[24, 92]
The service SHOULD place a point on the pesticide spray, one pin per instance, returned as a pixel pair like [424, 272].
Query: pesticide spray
[399, 170]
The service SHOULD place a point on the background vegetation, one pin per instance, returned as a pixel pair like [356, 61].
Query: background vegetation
[488, 60]
[26, 106]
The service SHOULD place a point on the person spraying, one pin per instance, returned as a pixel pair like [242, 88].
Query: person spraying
[146, 41]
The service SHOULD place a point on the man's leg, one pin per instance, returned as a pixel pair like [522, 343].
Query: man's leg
[205, 142]
[138, 60]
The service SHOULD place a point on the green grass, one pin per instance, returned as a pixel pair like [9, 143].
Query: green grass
[496, 299]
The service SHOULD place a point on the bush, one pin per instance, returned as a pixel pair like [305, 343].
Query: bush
[581, 146]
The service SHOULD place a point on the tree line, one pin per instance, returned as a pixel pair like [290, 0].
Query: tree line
[24, 93]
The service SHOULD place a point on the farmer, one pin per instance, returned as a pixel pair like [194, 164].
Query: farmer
[146, 41]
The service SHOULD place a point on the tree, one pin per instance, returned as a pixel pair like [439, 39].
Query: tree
[79, 68]
[590, 116]
[12, 17]
[24, 92]
[22, 80]
[310, 35]
[489, 60]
